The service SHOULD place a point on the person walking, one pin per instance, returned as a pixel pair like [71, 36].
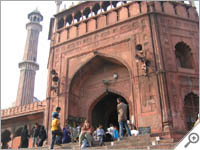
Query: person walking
[100, 134]
[24, 137]
[35, 134]
[55, 129]
[59, 137]
[58, 109]
[42, 136]
[122, 117]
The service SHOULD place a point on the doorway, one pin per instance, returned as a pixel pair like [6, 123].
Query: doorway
[105, 111]
[191, 108]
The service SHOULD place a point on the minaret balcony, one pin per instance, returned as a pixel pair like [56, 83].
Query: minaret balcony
[29, 65]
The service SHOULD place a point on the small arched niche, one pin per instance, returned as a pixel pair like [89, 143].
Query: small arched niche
[183, 55]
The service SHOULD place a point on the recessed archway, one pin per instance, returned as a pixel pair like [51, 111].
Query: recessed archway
[87, 86]
[105, 110]
[5, 138]
[191, 108]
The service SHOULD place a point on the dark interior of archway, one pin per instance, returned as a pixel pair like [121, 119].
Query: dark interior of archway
[5, 136]
[191, 107]
[18, 132]
[105, 111]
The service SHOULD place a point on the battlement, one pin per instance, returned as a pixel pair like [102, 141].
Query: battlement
[21, 110]
[90, 16]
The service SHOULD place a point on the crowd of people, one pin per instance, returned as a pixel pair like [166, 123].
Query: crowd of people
[86, 134]
[39, 135]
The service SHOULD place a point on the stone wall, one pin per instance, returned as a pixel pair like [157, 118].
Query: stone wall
[115, 15]
[113, 35]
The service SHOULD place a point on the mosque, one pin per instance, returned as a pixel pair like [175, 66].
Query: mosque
[145, 52]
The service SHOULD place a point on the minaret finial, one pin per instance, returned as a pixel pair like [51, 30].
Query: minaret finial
[58, 3]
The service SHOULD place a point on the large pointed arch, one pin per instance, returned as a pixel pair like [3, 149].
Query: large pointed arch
[74, 86]
[107, 56]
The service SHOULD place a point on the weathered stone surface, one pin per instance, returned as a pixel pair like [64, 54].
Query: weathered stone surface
[90, 53]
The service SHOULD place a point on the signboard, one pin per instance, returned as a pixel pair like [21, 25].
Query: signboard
[144, 130]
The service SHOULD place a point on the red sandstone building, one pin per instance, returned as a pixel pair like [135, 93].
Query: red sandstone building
[145, 52]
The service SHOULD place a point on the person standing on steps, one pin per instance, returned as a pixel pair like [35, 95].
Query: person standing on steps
[35, 134]
[24, 138]
[42, 136]
[122, 117]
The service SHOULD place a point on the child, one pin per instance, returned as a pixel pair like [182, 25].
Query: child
[55, 129]
[100, 134]
[115, 133]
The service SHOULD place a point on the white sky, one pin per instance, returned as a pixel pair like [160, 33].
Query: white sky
[13, 38]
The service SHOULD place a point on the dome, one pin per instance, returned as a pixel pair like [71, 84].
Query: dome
[37, 13]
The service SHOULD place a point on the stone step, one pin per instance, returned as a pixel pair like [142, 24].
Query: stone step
[134, 142]
[120, 146]
[166, 140]
[164, 146]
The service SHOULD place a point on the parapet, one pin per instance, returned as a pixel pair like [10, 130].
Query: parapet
[92, 15]
[25, 109]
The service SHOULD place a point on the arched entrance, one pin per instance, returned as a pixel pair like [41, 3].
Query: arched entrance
[93, 79]
[191, 108]
[5, 138]
[105, 111]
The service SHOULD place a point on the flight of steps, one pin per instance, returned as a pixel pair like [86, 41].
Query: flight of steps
[133, 142]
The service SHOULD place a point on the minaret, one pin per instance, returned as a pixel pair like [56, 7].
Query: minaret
[58, 3]
[28, 66]
[192, 3]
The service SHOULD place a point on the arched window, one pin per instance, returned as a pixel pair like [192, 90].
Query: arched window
[96, 8]
[18, 132]
[61, 23]
[183, 55]
[78, 16]
[86, 12]
[34, 19]
[105, 5]
[114, 3]
[69, 20]
[5, 136]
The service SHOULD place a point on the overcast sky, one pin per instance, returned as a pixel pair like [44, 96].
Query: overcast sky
[13, 38]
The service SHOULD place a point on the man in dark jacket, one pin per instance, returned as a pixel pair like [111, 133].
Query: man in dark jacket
[122, 117]
[35, 134]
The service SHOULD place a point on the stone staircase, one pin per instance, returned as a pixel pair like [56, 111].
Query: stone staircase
[133, 142]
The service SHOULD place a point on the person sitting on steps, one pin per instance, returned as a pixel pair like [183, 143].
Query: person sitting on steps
[86, 131]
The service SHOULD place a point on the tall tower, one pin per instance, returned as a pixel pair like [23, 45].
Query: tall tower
[28, 66]
[58, 3]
